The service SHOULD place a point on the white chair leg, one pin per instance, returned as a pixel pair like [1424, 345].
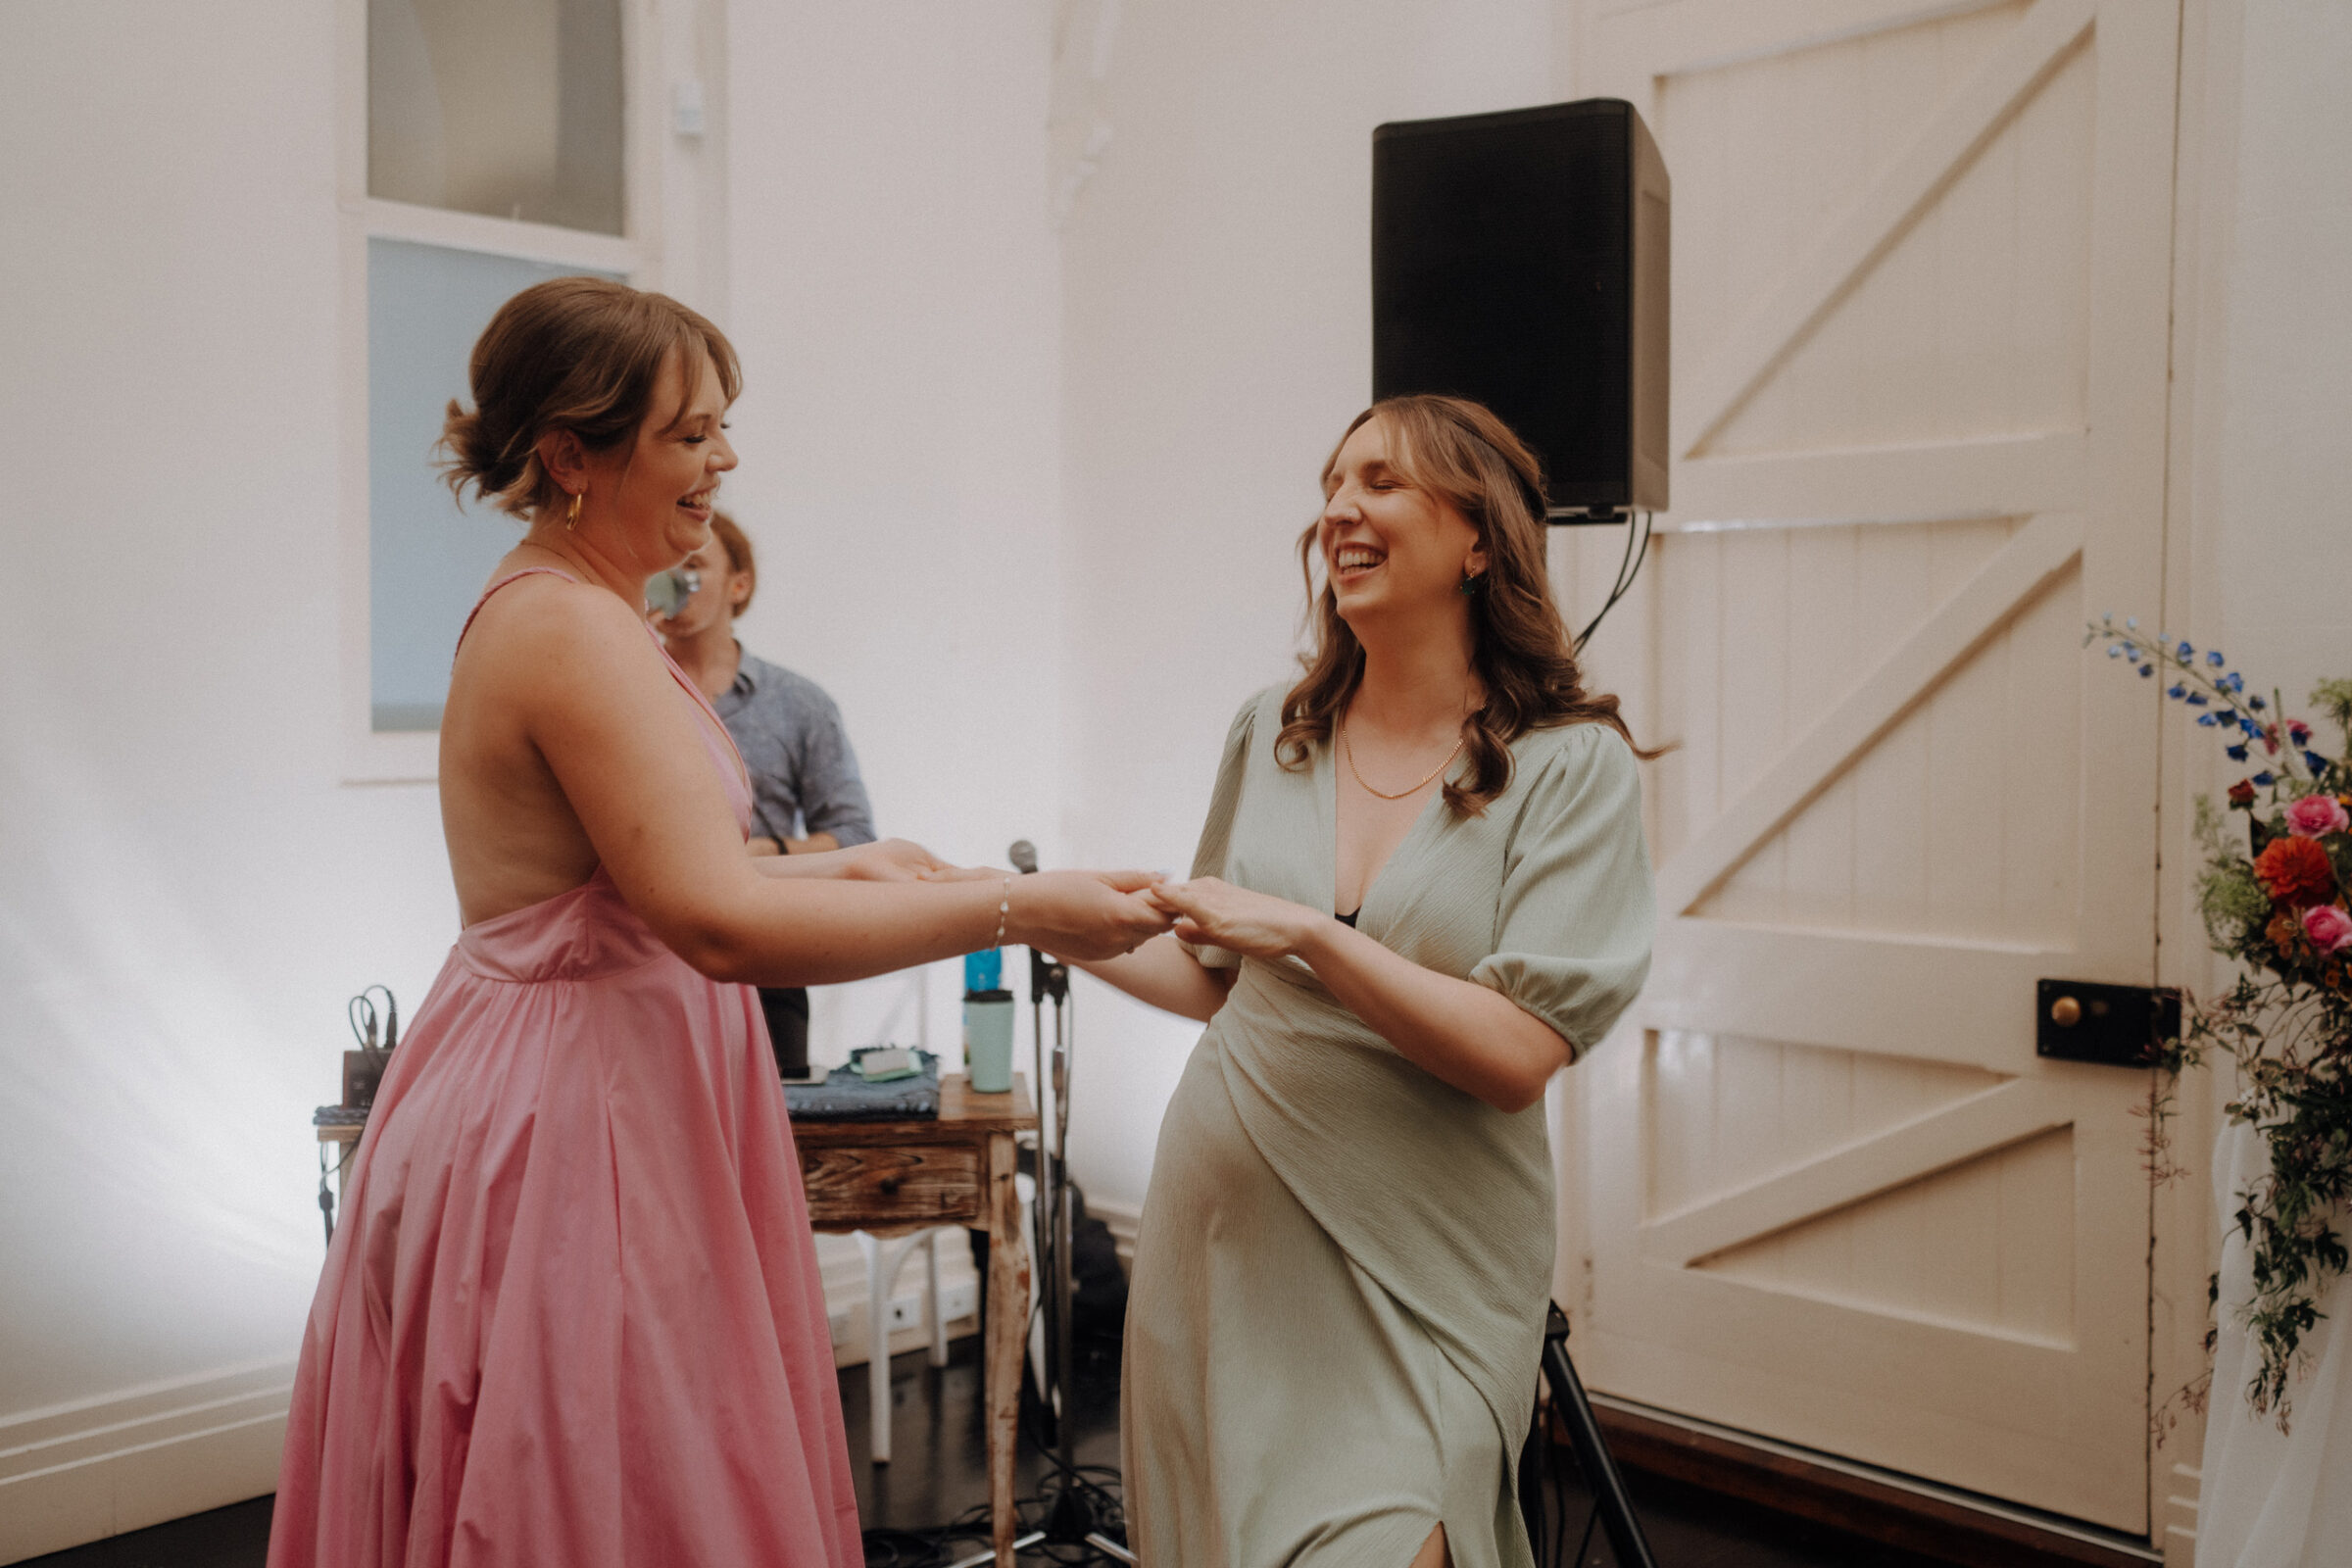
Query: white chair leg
[931, 1311]
[877, 1347]
[883, 1262]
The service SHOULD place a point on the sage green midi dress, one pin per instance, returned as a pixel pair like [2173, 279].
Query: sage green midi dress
[1341, 1276]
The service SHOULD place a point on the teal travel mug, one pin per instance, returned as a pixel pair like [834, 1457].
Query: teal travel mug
[988, 1041]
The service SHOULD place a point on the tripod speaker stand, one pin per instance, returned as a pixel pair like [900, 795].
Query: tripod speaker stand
[1575, 1413]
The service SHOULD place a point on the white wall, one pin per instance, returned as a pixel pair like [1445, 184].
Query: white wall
[2263, 396]
[1216, 324]
[2276, 498]
[186, 891]
[894, 298]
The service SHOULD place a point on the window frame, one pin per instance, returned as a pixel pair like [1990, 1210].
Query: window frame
[672, 239]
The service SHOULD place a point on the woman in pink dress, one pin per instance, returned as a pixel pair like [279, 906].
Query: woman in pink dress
[572, 1315]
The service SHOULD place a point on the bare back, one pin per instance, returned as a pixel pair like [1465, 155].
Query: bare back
[515, 838]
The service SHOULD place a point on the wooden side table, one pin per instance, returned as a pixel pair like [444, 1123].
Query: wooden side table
[897, 1177]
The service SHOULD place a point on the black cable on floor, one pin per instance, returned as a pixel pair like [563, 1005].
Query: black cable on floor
[972, 1530]
[970, 1533]
[1590, 1520]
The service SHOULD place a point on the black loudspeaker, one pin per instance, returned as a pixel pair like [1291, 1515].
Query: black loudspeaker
[1519, 259]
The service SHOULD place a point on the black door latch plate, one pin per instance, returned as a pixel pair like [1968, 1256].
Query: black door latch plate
[2118, 1026]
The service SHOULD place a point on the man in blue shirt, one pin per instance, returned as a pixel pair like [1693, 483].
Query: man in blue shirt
[807, 794]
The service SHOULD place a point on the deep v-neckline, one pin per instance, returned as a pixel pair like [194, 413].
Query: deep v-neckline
[1328, 771]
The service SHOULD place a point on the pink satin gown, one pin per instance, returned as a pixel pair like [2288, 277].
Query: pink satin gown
[571, 1315]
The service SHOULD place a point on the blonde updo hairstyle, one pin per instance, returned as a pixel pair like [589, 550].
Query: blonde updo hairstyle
[577, 354]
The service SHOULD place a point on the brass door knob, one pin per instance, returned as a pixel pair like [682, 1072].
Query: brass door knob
[2066, 1012]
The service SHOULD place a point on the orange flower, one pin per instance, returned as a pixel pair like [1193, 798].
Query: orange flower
[2296, 873]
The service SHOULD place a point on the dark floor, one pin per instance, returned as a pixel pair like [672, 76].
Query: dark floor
[940, 1473]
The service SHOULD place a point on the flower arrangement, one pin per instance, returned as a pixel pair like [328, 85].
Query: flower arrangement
[2272, 896]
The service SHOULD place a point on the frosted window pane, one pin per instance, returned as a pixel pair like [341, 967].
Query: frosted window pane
[510, 108]
[426, 559]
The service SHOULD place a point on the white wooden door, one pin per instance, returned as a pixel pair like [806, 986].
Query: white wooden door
[1920, 326]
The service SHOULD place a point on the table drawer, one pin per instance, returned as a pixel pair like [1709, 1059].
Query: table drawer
[877, 1185]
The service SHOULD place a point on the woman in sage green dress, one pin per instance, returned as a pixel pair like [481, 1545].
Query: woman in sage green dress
[1422, 890]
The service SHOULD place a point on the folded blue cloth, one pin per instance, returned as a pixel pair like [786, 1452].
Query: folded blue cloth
[845, 1096]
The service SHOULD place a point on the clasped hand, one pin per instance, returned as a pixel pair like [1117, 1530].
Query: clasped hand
[1216, 913]
[1072, 914]
[1089, 916]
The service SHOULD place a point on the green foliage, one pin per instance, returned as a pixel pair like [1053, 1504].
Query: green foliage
[2231, 900]
[2335, 699]
[2286, 1024]
[2292, 1045]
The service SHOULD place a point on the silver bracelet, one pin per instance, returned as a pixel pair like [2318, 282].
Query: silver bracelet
[1004, 913]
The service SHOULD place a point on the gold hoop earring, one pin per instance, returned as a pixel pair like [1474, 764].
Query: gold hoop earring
[572, 516]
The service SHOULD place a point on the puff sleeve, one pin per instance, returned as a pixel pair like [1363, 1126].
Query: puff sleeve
[1210, 859]
[1574, 923]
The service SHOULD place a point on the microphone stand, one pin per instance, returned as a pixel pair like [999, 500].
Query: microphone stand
[1049, 979]
[1052, 1215]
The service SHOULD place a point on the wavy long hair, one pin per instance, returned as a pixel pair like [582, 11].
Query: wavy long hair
[1460, 453]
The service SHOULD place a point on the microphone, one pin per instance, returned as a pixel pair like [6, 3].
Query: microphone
[1023, 856]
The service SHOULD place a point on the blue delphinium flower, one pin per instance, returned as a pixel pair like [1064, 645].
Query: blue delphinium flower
[2146, 670]
[2187, 652]
[2237, 754]
[2196, 699]
[2178, 691]
[2255, 703]
[2214, 657]
[2115, 650]
[2208, 720]
[2266, 778]
[2234, 682]
[2315, 762]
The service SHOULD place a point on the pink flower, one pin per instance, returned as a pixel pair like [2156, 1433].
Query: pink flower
[2317, 814]
[2328, 927]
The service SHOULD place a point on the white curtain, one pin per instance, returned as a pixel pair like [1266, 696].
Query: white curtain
[2273, 1499]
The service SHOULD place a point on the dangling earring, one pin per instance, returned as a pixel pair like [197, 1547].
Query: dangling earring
[1471, 582]
[572, 515]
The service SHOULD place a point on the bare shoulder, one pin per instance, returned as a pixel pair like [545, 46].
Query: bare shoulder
[556, 659]
[547, 611]
[546, 626]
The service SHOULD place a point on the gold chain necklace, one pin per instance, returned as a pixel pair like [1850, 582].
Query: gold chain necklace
[1348, 751]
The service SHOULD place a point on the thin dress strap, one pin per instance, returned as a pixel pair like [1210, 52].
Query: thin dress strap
[742, 773]
[686, 684]
[512, 577]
